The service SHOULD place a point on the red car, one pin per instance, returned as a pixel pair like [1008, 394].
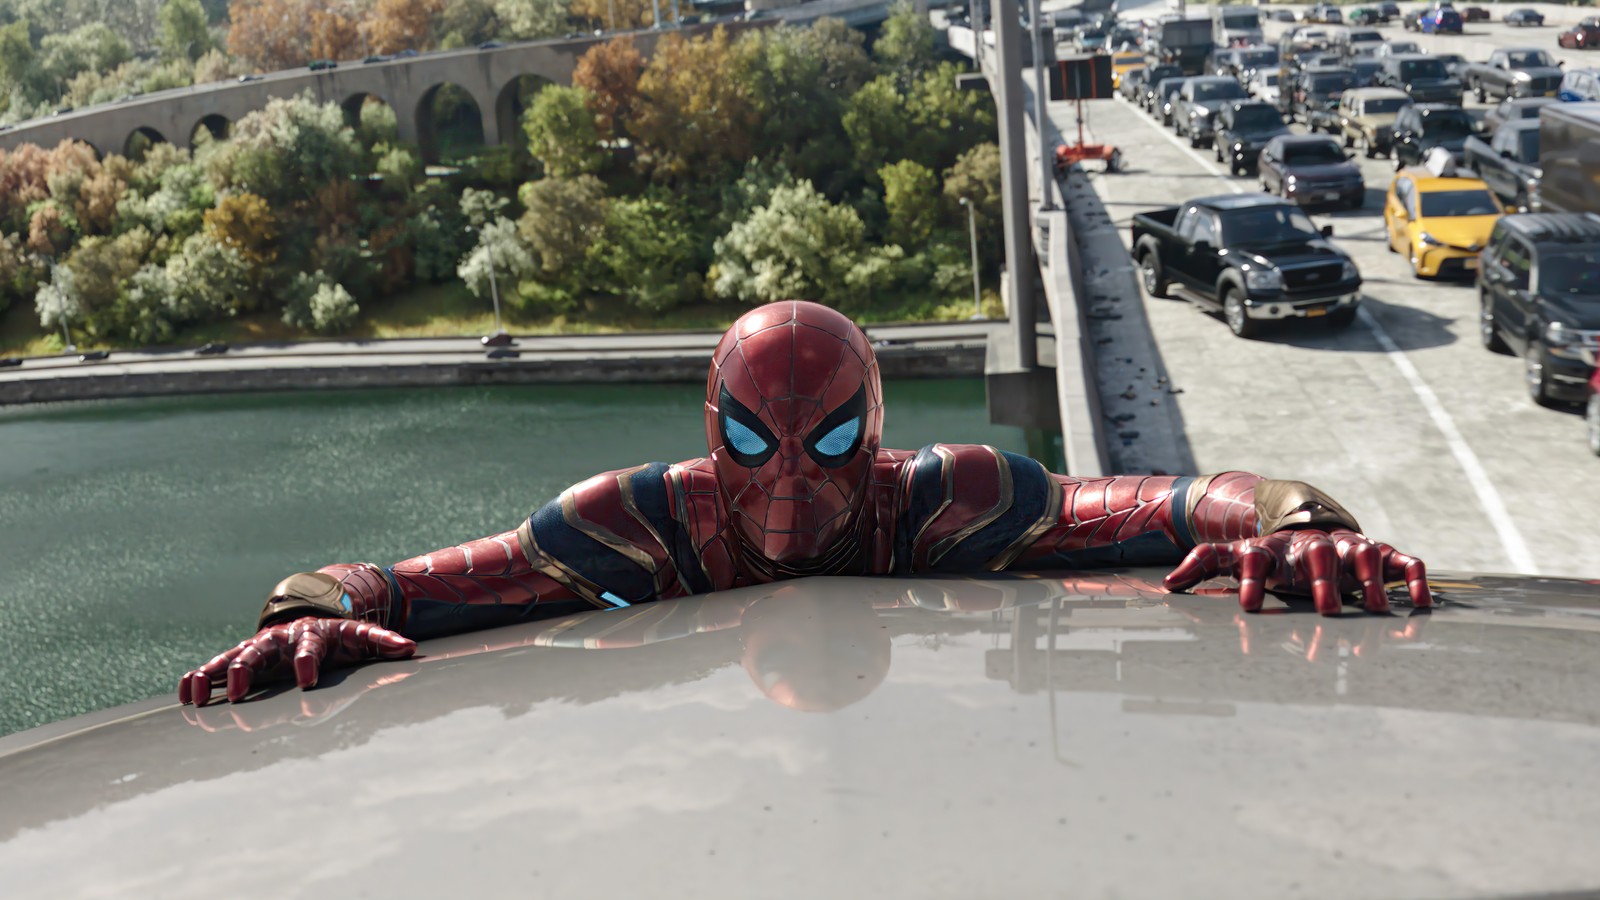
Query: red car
[1581, 36]
[1474, 14]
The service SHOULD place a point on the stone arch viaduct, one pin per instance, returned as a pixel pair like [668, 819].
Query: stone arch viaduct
[489, 76]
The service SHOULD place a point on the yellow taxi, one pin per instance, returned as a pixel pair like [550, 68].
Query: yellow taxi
[1124, 62]
[1440, 224]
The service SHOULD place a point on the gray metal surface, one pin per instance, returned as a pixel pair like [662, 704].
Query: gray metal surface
[1055, 736]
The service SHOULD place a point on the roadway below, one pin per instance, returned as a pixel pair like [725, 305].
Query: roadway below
[1429, 438]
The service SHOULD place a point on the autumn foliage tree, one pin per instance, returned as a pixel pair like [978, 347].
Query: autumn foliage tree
[269, 34]
[395, 25]
[244, 222]
[610, 73]
[696, 113]
[616, 15]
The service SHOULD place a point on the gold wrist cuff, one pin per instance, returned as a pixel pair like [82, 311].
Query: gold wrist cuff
[1288, 504]
[304, 594]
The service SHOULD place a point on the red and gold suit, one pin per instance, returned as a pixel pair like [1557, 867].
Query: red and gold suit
[796, 484]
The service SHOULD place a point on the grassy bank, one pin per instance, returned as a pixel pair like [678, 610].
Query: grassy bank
[450, 310]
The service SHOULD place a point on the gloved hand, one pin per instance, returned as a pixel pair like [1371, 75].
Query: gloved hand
[305, 643]
[1324, 564]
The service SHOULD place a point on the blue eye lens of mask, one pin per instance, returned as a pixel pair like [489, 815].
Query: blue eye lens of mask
[742, 439]
[839, 439]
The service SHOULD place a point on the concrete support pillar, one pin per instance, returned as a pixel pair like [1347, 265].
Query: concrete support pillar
[1014, 184]
[489, 114]
[405, 117]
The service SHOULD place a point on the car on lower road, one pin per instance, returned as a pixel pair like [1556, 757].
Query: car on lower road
[1153, 76]
[1475, 14]
[1311, 170]
[1315, 94]
[1423, 126]
[1539, 297]
[1424, 78]
[1439, 224]
[1523, 17]
[1252, 258]
[1243, 129]
[1509, 163]
[1583, 36]
[1515, 72]
[1441, 20]
[1366, 118]
[1514, 109]
[1199, 101]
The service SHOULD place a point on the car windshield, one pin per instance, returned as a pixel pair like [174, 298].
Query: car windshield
[1528, 144]
[1343, 81]
[1365, 36]
[1447, 124]
[1380, 105]
[1526, 110]
[1267, 79]
[1241, 20]
[1154, 76]
[1524, 59]
[1218, 90]
[1261, 225]
[1413, 69]
[1366, 69]
[1570, 272]
[1459, 203]
[1319, 153]
[1258, 58]
[1256, 118]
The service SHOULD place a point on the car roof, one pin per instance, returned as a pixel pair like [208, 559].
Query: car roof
[1519, 125]
[1428, 109]
[1555, 228]
[1239, 201]
[841, 736]
[1377, 93]
[1429, 183]
[1329, 70]
[1305, 139]
[1410, 56]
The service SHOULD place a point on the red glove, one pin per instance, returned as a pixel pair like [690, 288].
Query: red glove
[306, 643]
[1324, 564]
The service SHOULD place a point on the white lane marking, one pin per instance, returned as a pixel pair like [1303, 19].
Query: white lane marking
[1488, 497]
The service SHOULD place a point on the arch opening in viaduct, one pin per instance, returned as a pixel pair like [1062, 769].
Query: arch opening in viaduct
[449, 123]
[139, 142]
[510, 103]
[373, 117]
[214, 127]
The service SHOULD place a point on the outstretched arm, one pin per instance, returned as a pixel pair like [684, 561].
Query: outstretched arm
[968, 508]
[604, 543]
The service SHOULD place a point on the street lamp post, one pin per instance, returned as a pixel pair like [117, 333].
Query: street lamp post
[499, 336]
[972, 233]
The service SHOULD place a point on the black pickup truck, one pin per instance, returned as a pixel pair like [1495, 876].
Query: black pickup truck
[1251, 257]
[1509, 164]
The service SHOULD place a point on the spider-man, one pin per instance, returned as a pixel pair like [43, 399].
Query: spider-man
[796, 484]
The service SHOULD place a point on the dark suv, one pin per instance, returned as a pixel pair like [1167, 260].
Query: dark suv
[1243, 129]
[1194, 115]
[1311, 170]
[1539, 295]
[1315, 95]
[1426, 79]
[1153, 76]
[1424, 126]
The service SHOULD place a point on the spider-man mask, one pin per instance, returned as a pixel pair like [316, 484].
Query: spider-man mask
[794, 414]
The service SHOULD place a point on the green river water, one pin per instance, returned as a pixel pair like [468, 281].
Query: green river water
[138, 537]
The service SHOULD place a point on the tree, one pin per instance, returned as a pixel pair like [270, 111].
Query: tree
[287, 151]
[19, 72]
[244, 223]
[800, 78]
[911, 195]
[616, 15]
[646, 253]
[184, 34]
[610, 73]
[481, 207]
[933, 122]
[466, 23]
[696, 114]
[269, 34]
[57, 302]
[334, 35]
[906, 45]
[531, 18]
[395, 25]
[212, 66]
[797, 245]
[976, 176]
[564, 218]
[332, 308]
[99, 267]
[90, 48]
[561, 132]
[511, 258]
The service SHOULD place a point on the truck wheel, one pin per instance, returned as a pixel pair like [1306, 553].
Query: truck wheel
[1488, 332]
[1521, 203]
[1233, 313]
[1341, 318]
[1368, 149]
[1348, 141]
[1150, 272]
[1537, 379]
[1591, 418]
[1481, 94]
